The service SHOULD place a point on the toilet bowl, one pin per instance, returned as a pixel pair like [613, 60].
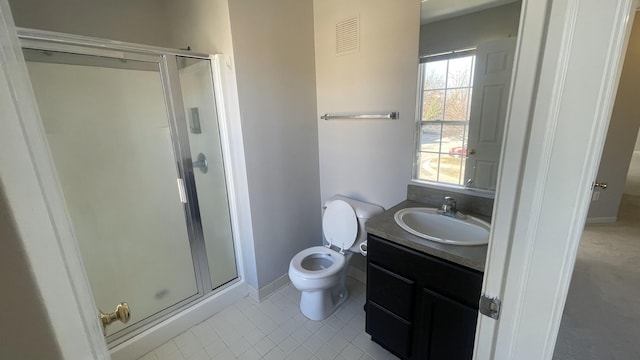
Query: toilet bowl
[319, 272]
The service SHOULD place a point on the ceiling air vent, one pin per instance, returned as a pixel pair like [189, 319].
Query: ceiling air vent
[348, 36]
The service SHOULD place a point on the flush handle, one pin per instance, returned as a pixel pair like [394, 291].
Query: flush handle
[121, 313]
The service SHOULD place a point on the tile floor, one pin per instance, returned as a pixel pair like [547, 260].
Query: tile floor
[276, 330]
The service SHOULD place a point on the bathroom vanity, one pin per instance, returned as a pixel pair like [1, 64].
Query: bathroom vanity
[422, 296]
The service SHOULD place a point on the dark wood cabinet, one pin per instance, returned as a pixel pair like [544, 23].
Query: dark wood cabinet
[419, 306]
[449, 330]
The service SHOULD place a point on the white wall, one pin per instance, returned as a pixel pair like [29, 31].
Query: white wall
[469, 30]
[369, 160]
[621, 136]
[139, 21]
[274, 57]
[202, 24]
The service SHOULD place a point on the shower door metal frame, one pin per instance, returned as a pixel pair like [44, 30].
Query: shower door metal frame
[173, 94]
[168, 69]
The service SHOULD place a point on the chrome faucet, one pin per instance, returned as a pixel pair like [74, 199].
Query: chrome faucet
[449, 207]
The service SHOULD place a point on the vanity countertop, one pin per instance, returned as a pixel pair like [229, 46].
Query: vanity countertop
[385, 226]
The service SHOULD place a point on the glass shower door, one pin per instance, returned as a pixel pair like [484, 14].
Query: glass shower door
[201, 120]
[110, 137]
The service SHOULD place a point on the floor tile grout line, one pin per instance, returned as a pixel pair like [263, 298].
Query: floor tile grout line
[340, 333]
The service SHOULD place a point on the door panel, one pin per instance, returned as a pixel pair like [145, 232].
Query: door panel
[494, 61]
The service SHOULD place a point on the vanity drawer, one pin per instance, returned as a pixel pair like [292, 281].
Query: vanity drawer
[390, 290]
[391, 331]
[452, 280]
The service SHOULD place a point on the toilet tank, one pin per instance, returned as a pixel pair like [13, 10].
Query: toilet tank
[364, 211]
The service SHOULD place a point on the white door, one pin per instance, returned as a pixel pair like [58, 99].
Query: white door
[544, 186]
[492, 74]
[36, 207]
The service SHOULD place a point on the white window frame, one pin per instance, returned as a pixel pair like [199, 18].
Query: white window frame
[419, 122]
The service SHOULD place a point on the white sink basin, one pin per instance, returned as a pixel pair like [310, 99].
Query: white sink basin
[427, 223]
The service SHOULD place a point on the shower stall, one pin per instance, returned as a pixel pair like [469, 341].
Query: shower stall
[137, 145]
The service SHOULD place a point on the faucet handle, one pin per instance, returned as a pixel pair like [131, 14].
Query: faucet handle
[449, 208]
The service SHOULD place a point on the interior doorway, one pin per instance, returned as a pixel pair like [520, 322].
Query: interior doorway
[632, 184]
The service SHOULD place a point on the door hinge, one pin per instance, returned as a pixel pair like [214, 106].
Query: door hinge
[490, 306]
[600, 184]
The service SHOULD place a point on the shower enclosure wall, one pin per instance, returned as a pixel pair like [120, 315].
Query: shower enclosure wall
[134, 135]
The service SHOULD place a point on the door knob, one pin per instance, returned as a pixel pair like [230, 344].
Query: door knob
[472, 151]
[121, 313]
[201, 163]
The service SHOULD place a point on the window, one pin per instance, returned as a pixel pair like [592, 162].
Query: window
[446, 87]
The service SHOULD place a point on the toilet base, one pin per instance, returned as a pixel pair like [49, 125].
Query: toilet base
[319, 305]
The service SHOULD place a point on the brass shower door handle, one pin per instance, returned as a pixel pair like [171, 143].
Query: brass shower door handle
[121, 313]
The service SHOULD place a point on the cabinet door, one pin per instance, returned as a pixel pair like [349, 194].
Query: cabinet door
[447, 330]
[389, 330]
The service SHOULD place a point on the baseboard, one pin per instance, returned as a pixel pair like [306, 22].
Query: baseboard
[602, 220]
[357, 274]
[260, 294]
[179, 323]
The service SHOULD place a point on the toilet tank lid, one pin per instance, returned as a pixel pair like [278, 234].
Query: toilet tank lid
[362, 209]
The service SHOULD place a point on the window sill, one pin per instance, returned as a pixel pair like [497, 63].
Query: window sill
[489, 194]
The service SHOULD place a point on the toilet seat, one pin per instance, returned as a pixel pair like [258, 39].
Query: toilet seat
[340, 225]
[337, 265]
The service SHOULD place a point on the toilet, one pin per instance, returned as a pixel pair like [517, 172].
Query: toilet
[319, 272]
